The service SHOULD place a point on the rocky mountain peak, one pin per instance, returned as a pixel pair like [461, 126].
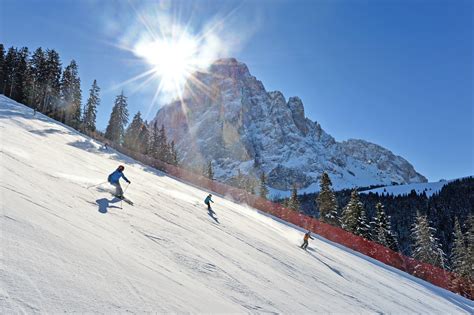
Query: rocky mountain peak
[229, 118]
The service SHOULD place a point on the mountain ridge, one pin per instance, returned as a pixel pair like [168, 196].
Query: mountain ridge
[227, 116]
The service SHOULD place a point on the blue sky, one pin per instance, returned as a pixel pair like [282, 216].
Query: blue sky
[397, 73]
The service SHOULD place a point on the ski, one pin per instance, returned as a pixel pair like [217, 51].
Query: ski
[124, 199]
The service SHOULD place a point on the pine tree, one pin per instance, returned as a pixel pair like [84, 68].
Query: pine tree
[174, 154]
[19, 91]
[90, 110]
[10, 68]
[426, 247]
[362, 227]
[154, 141]
[159, 146]
[250, 187]
[263, 186]
[2, 68]
[210, 171]
[130, 139]
[144, 139]
[51, 87]
[352, 212]
[118, 120]
[294, 203]
[36, 84]
[459, 256]
[164, 151]
[327, 201]
[71, 96]
[381, 229]
[470, 246]
[239, 180]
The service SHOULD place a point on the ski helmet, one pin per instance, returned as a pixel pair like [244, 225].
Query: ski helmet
[121, 168]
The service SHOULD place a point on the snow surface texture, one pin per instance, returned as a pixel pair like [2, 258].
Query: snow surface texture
[399, 190]
[231, 119]
[67, 246]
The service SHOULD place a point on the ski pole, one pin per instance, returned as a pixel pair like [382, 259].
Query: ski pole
[126, 188]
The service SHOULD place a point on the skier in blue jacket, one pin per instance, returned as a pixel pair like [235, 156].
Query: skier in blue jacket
[208, 201]
[114, 180]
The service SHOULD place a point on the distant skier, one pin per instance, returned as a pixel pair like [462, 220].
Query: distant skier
[305, 240]
[114, 180]
[208, 201]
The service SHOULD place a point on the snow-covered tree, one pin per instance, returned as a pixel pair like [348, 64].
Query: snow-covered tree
[381, 229]
[327, 201]
[2, 67]
[263, 191]
[470, 245]
[426, 246]
[118, 120]
[90, 110]
[362, 226]
[459, 255]
[294, 202]
[351, 213]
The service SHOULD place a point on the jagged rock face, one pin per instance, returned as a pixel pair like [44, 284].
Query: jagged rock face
[228, 117]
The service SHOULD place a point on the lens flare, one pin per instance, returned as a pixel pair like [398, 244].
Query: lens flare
[172, 60]
[171, 43]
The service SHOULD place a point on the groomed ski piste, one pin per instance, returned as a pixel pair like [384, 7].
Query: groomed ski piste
[67, 246]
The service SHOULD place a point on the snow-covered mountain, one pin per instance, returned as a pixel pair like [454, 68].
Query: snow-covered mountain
[398, 190]
[68, 247]
[227, 116]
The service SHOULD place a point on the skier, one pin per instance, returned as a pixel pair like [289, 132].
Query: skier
[208, 201]
[114, 180]
[305, 240]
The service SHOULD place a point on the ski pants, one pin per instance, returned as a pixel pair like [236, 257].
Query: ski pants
[305, 244]
[118, 189]
[208, 205]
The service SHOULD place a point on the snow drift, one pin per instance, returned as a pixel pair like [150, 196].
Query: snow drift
[67, 246]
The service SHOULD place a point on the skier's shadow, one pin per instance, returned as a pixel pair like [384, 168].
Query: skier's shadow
[330, 268]
[105, 203]
[211, 213]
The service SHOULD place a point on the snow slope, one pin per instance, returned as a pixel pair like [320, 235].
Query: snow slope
[398, 190]
[68, 247]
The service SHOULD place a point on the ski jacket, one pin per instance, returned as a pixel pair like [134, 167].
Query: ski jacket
[115, 176]
[207, 200]
[306, 236]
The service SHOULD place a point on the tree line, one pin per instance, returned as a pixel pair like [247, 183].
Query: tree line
[39, 81]
[438, 230]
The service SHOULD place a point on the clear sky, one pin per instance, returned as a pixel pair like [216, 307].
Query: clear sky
[395, 72]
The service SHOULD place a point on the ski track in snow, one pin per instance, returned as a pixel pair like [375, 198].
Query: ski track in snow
[67, 246]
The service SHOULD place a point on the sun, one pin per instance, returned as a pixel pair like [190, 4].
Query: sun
[173, 45]
[172, 60]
